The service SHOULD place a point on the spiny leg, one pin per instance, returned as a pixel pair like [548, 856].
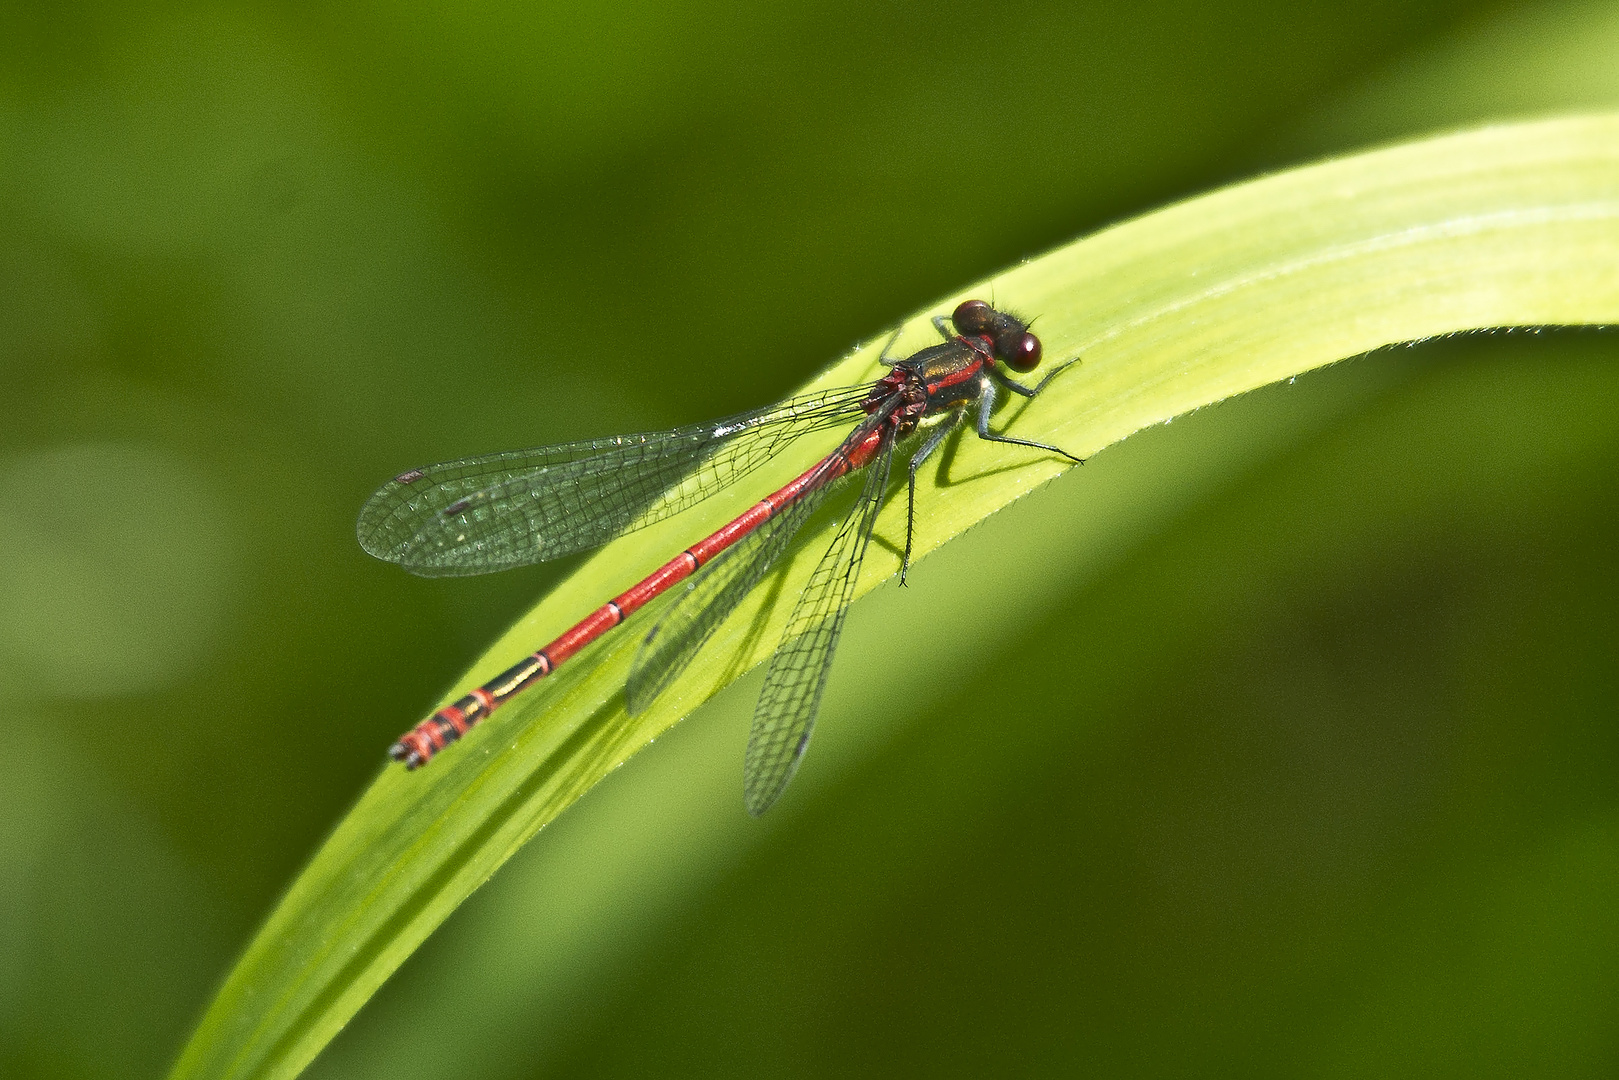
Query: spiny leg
[1027, 391]
[986, 405]
[938, 436]
[889, 344]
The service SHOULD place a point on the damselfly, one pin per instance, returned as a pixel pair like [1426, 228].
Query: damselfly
[512, 509]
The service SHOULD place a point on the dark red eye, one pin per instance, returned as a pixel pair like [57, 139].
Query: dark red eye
[972, 317]
[1024, 355]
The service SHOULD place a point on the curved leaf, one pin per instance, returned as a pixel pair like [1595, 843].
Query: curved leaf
[1515, 225]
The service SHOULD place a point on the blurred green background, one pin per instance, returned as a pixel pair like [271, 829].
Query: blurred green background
[1303, 763]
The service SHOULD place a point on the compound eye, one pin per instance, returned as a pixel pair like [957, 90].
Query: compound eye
[972, 317]
[1024, 355]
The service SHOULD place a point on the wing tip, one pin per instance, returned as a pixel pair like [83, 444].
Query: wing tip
[761, 792]
[367, 538]
[758, 803]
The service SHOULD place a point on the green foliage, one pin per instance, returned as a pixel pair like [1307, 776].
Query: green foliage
[1276, 740]
[1216, 296]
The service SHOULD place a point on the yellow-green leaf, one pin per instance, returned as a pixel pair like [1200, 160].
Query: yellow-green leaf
[1514, 225]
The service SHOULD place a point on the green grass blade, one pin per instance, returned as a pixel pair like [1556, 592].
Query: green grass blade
[1516, 225]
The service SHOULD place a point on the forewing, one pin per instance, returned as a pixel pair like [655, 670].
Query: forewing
[511, 509]
[796, 677]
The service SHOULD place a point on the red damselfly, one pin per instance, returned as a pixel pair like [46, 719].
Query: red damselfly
[512, 509]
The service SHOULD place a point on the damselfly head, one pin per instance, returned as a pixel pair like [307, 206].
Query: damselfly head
[1009, 336]
[974, 317]
[1019, 350]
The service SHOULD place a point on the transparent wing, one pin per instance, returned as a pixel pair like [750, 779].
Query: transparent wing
[511, 509]
[785, 715]
[712, 594]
